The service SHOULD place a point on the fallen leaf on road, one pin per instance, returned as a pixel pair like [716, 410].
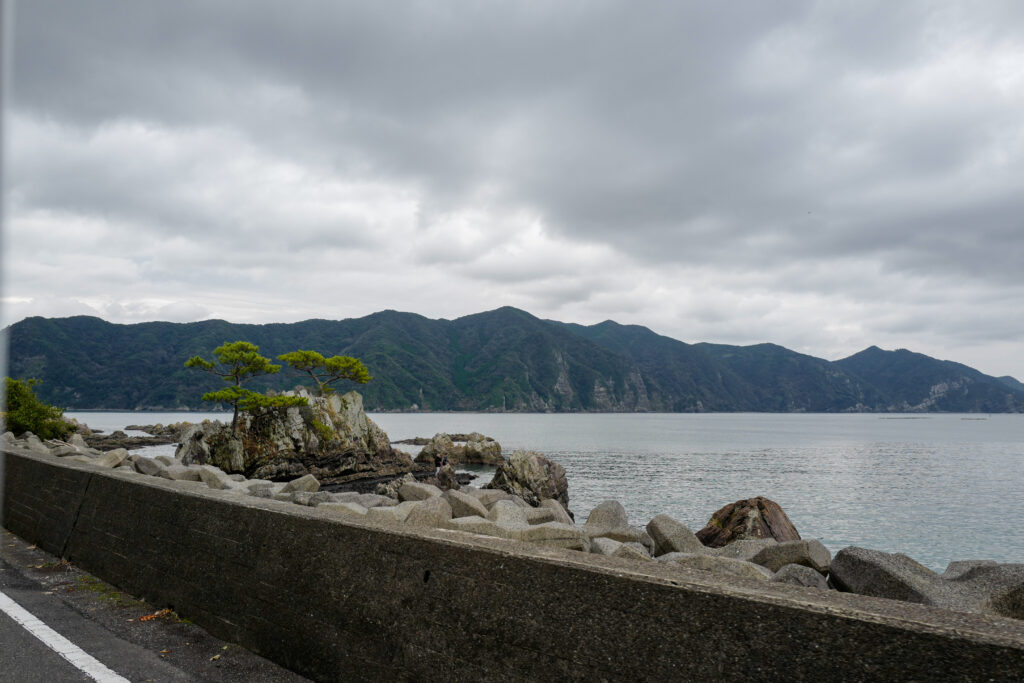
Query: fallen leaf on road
[214, 658]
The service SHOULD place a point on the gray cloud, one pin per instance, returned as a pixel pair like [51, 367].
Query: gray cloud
[821, 175]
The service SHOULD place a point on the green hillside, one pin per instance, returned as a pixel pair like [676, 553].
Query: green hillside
[501, 360]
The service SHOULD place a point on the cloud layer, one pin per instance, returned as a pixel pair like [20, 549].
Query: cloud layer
[819, 175]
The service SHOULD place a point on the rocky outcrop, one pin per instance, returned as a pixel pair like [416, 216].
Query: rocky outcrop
[748, 519]
[532, 477]
[468, 449]
[331, 439]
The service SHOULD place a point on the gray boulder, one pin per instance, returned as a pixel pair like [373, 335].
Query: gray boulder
[540, 515]
[608, 520]
[434, 512]
[800, 575]
[180, 473]
[633, 551]
[671, 536]
[507, 514]
[214, 477]
[553, 534]
[149, 466]
[478, 525]
[604, 546]
[808, 552]
[343, 509]
[884, 575]
[489, 497]
[304, 483]
[415, 490]
[980, 587]
[464, 505]
[112, 458]
[558, 511]
[717, 565]
[746, 549]
[532, 477]
[372, 500]
[392, 513]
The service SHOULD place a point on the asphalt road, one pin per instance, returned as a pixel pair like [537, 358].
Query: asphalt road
[134, 640]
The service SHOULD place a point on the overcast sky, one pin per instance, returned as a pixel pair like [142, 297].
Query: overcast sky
[822, 175]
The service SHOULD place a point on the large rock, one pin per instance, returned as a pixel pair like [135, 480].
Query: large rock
[553, 534]
[533, 478]
[464, 505]
[415, 490]
[331, 439]
[809, 553]
[433, 512]
[558, 512]
[748, 519]
[477, 449]
[981, 587]
[670, 536]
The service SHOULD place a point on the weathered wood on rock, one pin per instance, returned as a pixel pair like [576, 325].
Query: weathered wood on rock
[748, 519]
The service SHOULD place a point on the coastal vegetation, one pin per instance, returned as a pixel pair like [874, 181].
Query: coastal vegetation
[236, 363]
[24, 412]
[327, 371]
[501, 360]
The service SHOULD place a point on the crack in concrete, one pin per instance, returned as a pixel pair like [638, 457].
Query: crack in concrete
[74, 523]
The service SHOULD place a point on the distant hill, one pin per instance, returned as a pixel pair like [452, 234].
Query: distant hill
[1011, 382]
[501, 360]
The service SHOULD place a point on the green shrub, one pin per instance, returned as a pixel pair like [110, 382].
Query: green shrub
[23, 412]
[325, 432]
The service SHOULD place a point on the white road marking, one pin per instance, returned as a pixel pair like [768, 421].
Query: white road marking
[59, 644]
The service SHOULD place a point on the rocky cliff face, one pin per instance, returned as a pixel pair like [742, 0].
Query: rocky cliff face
[331, 438]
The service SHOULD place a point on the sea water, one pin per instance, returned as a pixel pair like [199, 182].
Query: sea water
[937, 487]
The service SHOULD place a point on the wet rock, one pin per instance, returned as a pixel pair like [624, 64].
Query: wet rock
[748, 519]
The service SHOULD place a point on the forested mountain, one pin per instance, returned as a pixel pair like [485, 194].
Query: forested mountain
[504, 359]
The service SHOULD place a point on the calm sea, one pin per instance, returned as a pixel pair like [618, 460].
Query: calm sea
[935, 487]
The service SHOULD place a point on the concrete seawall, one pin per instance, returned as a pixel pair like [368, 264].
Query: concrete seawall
[345, 600]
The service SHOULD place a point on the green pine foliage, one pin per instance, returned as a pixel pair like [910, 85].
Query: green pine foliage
[236, 363]
[24, 412]
[327, 371]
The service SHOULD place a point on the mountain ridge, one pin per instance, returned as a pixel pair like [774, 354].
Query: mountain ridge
[500, 360]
